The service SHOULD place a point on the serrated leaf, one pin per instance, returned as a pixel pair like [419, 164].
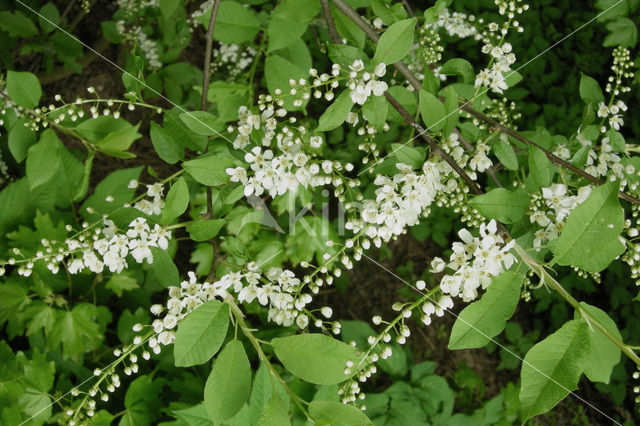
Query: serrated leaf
[228, 385]
[43, 159]
[505, 154]
[23, 88]
[164, 269]
[210, 170]
[589, 239]
[177, 201]
[202, 123]
[315, 358]
[604, 353]
[165, 145]
[552, 368]
[501, 204]
[374, 110]
[337, 414]
[337, 112]
[485, 318]
[205, 230]
[274, 413]
[201, 334]
[432, 111]
[395, 43]
[590, 91]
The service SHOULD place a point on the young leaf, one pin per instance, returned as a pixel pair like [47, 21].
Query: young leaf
[505, 153]
[43, 159]
[274, 413]
[202, 123]
[24, 88]
[201, 334]
[540, 168]
[165, 145]
[337, 113]
[337, 413]
[228, 385]
[589, 239]
[205, 230]
[315, 358]
[485, 318]
[432, 111]
[374, 110]
[501, 204]
[395, 42]
[452, 111]
[604, 354]
[163, 267]
[590, 91]
[177, 201]
[210, 171]
[552, 368]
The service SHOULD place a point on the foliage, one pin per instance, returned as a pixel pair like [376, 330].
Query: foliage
[176, 244]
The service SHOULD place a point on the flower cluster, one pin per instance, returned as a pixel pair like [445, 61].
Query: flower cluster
[459, 24]
[363, 84]
[291, 161]
[138, 37]
[232, 59]
[97, 248]
[475, 261]
[155, 203]
[550, 210]
[133, 7]
[399, 202]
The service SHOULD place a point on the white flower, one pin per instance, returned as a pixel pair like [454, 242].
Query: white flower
[378, 87]
[315, 141]
[603, 110]
[326, 312]
[380, 70]
[166, 338]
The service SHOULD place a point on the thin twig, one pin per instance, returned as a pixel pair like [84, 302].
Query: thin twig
[465, 106]
[331, 26]
[408, 7]
[203, 106]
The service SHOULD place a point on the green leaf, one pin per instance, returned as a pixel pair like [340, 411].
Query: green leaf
[17, 24]
[95, 129]
[177, 201]
[337, 113]
[604, 353]
[21, 138]
[119, 283]
[274, 413]
[337, 414]
[590, 91]
[165, 145]
[164, 269]
[119, 141]
[622, 32]
[202, 123]
[43, 159]
[409, 155]
[228, 385]
[505, 153]
[114, 185]
[181, 133]
[344, 54]
[234, 23]
[540, 168]
[461, 67]
[315, 358]
[210, 171]
[432, 111]
[201, 334]
[49, 17]
[374, 110]
[406, 99]
[395, 43]
[589, 239]
[501, 204]
[485, 318]
[23, 88]
[168, 7]
[452, 110]
[205, 230]
[552, 368]
[289, 21]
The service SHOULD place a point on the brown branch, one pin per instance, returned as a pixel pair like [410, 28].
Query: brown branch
[203, 106]
[408, 7]
[331, 26]
[465, 106]
[434, 144]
